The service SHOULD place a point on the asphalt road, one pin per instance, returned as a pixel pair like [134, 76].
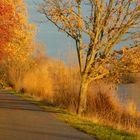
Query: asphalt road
[21, 120]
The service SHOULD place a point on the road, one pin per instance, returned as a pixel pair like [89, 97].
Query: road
[22, 120]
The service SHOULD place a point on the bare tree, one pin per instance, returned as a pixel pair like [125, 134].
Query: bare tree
[107, 23]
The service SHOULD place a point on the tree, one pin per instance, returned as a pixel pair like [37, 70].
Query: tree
[16, 33]
[21, 45]
[107, 24]
[127, 63]
[8, 22]
[18, 48]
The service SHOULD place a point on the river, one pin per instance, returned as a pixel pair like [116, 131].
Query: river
[130, 92]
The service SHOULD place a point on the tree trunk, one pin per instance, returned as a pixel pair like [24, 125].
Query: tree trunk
[82, 101]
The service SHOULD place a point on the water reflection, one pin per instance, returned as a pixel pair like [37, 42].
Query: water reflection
[130, 92]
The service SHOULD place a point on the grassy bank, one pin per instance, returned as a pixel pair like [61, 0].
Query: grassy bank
[99, 131]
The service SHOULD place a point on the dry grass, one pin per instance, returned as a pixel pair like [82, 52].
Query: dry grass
[38, 83]
[105, 107]
[66, 86]
[14, 71]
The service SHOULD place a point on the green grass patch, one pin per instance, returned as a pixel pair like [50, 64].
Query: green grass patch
[100, 132]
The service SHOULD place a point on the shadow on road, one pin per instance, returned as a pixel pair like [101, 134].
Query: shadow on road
[12, 102]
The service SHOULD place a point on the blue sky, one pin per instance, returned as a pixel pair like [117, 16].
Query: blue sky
[54, 41]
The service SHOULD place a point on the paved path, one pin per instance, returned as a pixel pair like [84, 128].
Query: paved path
[21, 120]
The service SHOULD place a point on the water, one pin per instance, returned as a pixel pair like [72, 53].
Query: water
[130, 92]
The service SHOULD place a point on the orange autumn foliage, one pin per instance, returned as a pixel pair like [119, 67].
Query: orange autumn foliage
[8, 21]
[16, 33]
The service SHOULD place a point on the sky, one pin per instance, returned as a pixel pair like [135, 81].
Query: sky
[54, 41]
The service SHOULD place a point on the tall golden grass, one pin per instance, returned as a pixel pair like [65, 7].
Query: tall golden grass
[105, 107]
[38, 83]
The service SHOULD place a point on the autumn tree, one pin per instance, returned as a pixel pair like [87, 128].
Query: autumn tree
[16, 33]
[106, 23]
[124, 63]
[8, 22]
[20, 46]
